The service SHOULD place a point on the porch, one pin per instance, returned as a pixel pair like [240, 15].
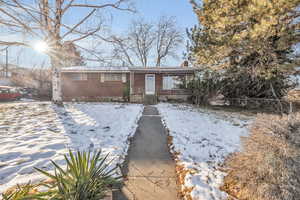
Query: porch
[149, 86]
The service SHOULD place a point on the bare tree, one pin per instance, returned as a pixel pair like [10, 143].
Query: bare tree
[141, 40]
[42, 76]
[122, 50]
[168, 39]
[74, 57]
[44, 20]
[146, 40]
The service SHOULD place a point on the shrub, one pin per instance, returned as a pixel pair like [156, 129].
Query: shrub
[204, 86]
[240, 83]
[268, 168]
[87, 176]
[24, 192]
[126, 92]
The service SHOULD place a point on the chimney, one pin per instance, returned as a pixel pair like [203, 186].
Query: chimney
[185, 64]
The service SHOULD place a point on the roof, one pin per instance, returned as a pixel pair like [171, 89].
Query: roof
[163, 69]
[92, 69]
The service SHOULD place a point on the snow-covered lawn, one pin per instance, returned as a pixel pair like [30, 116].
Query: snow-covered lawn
[33, 133]
[201, 141]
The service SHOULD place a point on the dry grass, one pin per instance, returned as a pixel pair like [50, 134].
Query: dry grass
[268, 168]
[181, 172]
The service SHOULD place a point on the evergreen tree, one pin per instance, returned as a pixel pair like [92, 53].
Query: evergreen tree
[258, 33]
[254, 38]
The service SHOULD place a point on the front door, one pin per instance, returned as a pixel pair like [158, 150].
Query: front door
[150, 84]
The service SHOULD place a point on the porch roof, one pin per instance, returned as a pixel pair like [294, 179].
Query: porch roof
[163, 70]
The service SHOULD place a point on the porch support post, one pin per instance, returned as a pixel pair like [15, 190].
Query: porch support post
[131, 83]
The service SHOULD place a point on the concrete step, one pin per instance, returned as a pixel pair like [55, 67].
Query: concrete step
[150, 100]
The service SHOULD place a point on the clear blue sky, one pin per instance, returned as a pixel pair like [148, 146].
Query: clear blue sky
[150, 10]
[153, 9]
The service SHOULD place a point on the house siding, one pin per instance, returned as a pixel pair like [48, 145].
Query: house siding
[92, 89]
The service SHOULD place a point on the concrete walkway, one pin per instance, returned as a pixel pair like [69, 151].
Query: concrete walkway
[150, 169]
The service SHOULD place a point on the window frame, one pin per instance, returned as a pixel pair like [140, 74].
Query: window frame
[111, 79]
[81, 77]
[170, 86]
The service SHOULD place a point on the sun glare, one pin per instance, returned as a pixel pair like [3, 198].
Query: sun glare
[41, 46]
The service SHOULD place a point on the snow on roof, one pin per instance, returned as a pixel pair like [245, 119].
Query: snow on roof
[122, 69]
[93, 68]
[162, 69]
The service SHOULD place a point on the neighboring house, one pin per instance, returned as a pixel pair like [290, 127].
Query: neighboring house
[34, 78]
[114, 83]
[7, 74]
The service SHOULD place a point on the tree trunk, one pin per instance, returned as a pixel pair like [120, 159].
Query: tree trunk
[158, 62]
[56, 81]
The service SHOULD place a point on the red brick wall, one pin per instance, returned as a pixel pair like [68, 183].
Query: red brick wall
[92, 88]
[139, 84]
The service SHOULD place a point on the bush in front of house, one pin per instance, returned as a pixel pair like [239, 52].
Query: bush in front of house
[268, 167]
[87, 176]
[126, 92]
[204, 86]
[238, 83]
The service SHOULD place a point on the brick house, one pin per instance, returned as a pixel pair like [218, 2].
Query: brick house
[114, 83]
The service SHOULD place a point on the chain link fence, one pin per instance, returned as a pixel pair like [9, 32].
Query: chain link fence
[263, 104]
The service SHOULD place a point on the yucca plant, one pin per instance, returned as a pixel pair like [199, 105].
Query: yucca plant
[25, 192]
[88, 176]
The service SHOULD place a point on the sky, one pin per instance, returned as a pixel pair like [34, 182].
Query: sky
[149, 10]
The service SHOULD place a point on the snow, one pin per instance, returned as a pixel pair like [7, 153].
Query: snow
[202, 139]
[32, 134]
[124, 68]
[27, 100]
[95, 68]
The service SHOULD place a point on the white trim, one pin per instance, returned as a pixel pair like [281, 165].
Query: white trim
[102, 78]
[124, 78]
[146, 84]
[131, 82]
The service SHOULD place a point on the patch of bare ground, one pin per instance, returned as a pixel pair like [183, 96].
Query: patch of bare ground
[268, 167]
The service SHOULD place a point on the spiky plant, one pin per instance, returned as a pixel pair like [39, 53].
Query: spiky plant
[25, 192]
[87, 176]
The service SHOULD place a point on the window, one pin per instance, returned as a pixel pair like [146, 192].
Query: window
[172, 82]
[113, 77]
[79, 77]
